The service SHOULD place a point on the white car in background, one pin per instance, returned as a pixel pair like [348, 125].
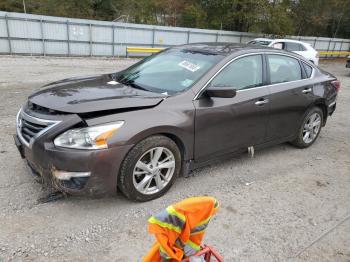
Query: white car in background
[301, 48]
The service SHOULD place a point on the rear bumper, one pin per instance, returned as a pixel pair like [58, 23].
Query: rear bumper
[44, 159]
[331, 108]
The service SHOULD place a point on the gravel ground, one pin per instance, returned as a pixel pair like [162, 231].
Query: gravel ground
[285, 204]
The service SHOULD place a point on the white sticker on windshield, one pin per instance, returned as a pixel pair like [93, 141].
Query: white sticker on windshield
[189, 66]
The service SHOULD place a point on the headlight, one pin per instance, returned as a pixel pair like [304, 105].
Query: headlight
[94, 137]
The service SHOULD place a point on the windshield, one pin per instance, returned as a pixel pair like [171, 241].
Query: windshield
[170, 71]
[260, 42]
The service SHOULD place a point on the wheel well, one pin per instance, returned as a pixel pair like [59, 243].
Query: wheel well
[178, 142]
[324, 111]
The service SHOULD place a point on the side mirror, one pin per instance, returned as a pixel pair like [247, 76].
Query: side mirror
[221, 91]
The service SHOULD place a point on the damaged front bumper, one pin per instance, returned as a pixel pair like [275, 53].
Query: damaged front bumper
[76, 172]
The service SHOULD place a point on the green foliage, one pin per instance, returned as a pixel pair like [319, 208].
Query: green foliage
[194, 16]
[278, 17]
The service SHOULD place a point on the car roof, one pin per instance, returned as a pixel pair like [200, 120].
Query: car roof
[226, 49]
[281, 40]
[263, 39]
[290, 40]
[222, 48]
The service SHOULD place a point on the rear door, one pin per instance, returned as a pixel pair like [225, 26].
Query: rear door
[228, 124]
[291, 95]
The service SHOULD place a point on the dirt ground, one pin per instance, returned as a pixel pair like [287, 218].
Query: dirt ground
[285, 204]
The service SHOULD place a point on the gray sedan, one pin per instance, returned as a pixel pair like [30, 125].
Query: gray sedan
[139, 129]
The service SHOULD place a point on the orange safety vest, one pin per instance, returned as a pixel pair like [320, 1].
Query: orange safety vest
[180, 228]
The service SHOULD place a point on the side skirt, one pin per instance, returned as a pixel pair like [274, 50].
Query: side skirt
[191, 165]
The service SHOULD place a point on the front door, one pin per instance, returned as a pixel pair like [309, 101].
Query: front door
[225, 125]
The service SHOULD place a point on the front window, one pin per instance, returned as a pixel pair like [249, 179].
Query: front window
[170, 71]
[243, 73]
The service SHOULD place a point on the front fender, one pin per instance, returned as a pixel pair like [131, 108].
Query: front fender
[176, 120]
[181, 138]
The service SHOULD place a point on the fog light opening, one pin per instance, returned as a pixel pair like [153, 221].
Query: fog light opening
[71, 180]
[64, 175]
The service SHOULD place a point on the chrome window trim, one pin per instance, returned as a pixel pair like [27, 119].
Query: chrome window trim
[261, 53]
[272, 84]
[49, 123]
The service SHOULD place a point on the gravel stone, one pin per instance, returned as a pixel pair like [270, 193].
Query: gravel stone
[293, 196]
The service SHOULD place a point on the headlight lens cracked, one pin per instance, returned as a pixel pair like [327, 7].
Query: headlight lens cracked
[94, 137]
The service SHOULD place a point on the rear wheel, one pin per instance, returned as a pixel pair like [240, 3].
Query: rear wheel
[150, 169]
[310, 128]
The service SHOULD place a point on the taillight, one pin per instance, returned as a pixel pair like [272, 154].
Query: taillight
[336, 85]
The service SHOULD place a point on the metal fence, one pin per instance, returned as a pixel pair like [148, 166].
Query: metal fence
[46, 35]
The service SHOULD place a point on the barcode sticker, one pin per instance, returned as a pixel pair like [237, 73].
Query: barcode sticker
[189, 66]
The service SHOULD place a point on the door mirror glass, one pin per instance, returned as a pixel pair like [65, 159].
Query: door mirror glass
[220, 91]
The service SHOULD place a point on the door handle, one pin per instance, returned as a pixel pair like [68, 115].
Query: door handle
[307, 90]
[261, 102]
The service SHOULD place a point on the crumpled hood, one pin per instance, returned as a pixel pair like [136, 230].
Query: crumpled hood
[91, 94]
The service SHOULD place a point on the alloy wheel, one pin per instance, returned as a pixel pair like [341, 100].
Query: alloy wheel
[311, 128]
[153, 170]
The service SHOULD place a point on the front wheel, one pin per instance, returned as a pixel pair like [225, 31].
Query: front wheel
[150, 168]
[310, 128]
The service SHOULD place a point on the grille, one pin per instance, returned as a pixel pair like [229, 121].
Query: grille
[29, 127]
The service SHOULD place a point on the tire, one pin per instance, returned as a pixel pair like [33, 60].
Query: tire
[301, 140]
[137, 167]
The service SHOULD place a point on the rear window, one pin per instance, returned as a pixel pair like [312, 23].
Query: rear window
[283, 69]
[294, 47]
[302, 48]
[308, 70]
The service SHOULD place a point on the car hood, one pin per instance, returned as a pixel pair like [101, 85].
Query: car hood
[91, 94]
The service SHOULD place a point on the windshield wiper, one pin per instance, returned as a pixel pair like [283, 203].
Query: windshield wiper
[128, 77]
[132, 84]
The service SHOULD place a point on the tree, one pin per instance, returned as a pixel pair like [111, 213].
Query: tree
[194, 16]
[278, 17]
[321, 17]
